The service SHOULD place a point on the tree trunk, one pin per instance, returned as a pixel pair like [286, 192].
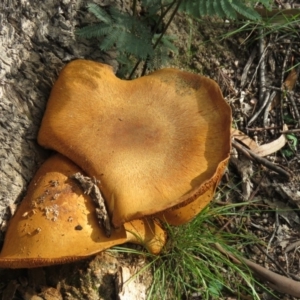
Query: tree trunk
[37, 38]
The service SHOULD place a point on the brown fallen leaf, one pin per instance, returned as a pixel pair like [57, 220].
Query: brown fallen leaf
[288, 84]
[291, 80]
[243, 138]
[262, 150]
[277, 282]
[273, 146]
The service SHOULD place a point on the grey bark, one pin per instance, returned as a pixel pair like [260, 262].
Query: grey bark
[37, 38]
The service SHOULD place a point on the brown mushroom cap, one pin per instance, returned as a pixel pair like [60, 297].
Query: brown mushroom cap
[147, 233]
[181, 215]
[154, 142]
[56, 223]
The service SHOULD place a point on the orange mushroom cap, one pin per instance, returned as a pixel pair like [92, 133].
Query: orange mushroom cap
[56, 223]
[183, 214]
[155, 142]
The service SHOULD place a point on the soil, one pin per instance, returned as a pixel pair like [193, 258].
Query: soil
[37, 39]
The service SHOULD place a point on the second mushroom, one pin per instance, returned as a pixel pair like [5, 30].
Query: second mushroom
[157, 146]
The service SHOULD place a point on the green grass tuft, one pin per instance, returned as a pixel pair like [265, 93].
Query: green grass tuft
[190, 264]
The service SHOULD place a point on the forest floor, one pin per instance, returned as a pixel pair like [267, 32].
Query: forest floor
[258, 71]
[255, 70]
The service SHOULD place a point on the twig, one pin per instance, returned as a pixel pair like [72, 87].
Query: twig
[265, 103]
[277, 282]
[262, 67]
[89, 187]
[290, 131]
[275, 88]
[291, 99]
[247, 67]
[263, 128]
[225, 226]
[287, 54]
[260, 160]
[274, 232]
[254, 75]
[273, 260]
[266, 113]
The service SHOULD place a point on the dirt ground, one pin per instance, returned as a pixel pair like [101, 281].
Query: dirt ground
[255, 74]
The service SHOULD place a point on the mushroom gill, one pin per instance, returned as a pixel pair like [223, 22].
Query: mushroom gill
[156, 142]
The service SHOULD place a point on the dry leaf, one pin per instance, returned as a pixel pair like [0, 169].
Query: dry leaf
[272, 147]
[291, 80]
[243, 138]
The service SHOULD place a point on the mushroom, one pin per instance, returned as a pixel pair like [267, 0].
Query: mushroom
[181, 215]
[156, 143]
[56, 223]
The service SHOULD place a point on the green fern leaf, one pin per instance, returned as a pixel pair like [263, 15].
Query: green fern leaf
[159, 59]
[110, 40]
[202, 8]
[153, 6]
[218, 8]
[95, 30]
[133, 45]
[190, 7]
[99, 13]
[167, 41]
[228, 9]
[245, 11]
[209, 8]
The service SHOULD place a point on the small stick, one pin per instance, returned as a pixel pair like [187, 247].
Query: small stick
[260, 160]
[263, 128]
[267, 108]
[277, 282]
[275, 88]
[291, 99]
[262, 67]
[265, 103]
[290, 131]
[247, 67]
[287, 55]
[272, 260]
[90, 187]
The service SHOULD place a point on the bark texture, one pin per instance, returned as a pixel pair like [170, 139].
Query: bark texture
[37, 38]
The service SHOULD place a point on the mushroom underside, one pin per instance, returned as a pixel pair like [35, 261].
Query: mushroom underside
[155, 142]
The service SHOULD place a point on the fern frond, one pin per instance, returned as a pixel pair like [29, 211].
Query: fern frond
[99, 13]
[159, 59]
[167, 42]
[110, 40]
[152, 6]
[202, 8]
[228, 9]
[126, 63]
[244, 10]
[95, 30]
[131, 44]
[221, 8]
[210, 7]
[190, 7]
[218, 9]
